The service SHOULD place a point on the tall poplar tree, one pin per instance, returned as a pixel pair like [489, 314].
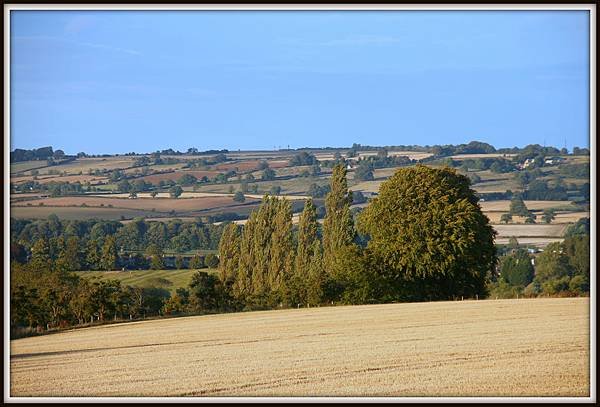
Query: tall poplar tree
[281, 261]
[308, 270]
[229, 254]
[338, 226]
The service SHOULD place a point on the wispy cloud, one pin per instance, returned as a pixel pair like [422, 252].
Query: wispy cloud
[78, 43]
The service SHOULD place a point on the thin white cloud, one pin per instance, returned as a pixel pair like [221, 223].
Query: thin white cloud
[78, 43]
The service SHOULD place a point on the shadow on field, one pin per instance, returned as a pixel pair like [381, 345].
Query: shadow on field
[219, 342]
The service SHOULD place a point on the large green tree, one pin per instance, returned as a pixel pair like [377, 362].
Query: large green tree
[40, 256]
[429, 235]
[516, 269]
[109, 256]
[70, 258]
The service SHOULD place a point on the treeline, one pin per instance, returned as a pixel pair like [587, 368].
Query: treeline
[359, 259]
[42, 153]
[43, 300]
[366, 165]
[71, 245]
[562, 269]
[52, 188]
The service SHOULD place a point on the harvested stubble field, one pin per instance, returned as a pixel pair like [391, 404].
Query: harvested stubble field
[46, 179]
[27, 165]
[560, 217]
[530, 230]
[85, 164]
[534, 241]
[504, 205]
[535, 347]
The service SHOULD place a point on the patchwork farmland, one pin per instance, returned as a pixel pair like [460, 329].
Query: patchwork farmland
[105, 201]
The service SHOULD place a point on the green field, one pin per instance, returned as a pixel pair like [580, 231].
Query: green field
[27, 165]
[168, 279]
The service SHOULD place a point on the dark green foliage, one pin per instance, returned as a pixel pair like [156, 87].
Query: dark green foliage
[41, 153]
[229, 254]
[516, 269]
[196, 262]
[575, 170]
[428, 233]
[124, 186]
[523, 178]
[505, 218]
[540, 190]
[187, 179]
[548, 215]
[577, 249]
[358, 197]
[268, 175]
[211, 261]
[553, 270]
[308, 279]
[496, 165]
[364, 172]
[266, 256]
[581, 227]
[318, 191]
[338, 226]
[109, 255]
[518, 207]
[175, 191]
[239, 197]
[304, 158]
[156, 257]
[207, 293]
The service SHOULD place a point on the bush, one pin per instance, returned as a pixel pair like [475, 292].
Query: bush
[211, 261]
[516, 269]
[364, 172]
[239, 197]
[579, 284]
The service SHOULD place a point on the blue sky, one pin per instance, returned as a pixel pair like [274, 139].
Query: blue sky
[120, 81]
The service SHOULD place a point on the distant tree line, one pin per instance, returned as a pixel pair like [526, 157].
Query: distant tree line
[103, 245]
[42, 153]
[563, 268]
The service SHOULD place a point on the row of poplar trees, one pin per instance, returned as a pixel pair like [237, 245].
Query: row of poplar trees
[265, 264]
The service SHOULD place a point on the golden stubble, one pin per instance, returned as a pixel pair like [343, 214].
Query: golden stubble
[526, 347]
